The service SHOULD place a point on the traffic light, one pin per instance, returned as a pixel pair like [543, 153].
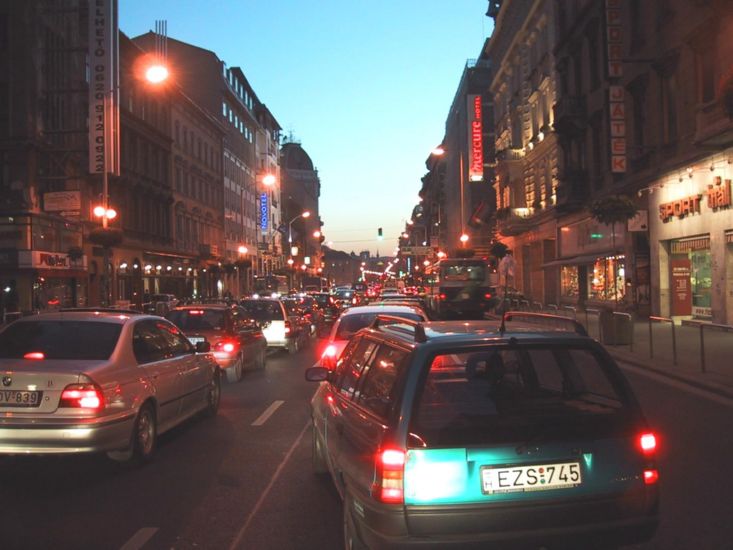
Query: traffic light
[379, 233]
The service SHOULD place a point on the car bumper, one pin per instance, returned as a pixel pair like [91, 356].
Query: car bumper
[67, 436]
[571, 524]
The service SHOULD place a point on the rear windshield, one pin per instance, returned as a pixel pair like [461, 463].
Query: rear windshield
[197, 319]
[350, 324]
[518, 394]
[83, 340]
[263, 310]
[322, 299]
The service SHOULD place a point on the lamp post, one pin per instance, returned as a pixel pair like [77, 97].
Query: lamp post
[305, 214]
[242, 251]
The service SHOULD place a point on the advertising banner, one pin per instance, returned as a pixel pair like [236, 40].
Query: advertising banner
[681, 287]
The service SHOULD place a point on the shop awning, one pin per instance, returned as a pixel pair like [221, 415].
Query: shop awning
[575, 260]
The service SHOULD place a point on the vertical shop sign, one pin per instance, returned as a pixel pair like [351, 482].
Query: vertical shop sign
[681, 287]
[616, 105]
[475, 139]
[264, 212]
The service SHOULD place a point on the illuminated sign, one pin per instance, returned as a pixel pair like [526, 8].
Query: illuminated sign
[475, 139]
[264, 212]
[680, 208]
[719, 194]
[616, 105]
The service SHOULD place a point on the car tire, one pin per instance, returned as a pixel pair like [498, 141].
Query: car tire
[262, 359]
[320, 465]
[213, 395]
[292, 346]
[351, 537]
[234, 374]
[142, 440]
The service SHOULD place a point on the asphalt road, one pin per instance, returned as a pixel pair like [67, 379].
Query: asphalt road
[243, 480]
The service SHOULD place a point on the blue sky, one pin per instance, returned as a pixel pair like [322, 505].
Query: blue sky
[364, 86]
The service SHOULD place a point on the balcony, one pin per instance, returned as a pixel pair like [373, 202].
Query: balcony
[573, 190]
[713, 128]
[510, 154]
[514, 221]
[570, 114]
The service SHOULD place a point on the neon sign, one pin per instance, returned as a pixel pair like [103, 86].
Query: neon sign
[264, 211]
[475, 139]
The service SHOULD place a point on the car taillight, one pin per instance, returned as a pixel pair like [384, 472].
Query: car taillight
[82, 396]
[390, 466]
[487, 295]
[224, 349]
[648, 443]
[287, 327]
[328, 357]
[651, 476]
[35, 355]
[442, 296]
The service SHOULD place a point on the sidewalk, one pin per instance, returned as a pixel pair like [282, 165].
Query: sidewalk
[688, 368]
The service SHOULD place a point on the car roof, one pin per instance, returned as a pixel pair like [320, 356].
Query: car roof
[108, 316]
[200, 306]
[379, 308]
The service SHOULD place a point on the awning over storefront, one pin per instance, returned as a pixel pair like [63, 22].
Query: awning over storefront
[683, 246]
[586, 259]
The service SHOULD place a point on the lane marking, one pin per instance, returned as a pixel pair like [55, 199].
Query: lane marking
[267, 490]
[268, 413]
[139, 539]
[722, 400]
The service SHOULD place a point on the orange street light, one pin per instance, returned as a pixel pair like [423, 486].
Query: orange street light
[464, 238]
[242, 249]
[156, 73]
[316, 233]
[439, 151]
[269, 179]
[105, 213]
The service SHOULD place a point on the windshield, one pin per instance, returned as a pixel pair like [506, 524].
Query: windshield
[463, 272]
[197, 319]
[82, 340]
[505, 394]
[350, 324]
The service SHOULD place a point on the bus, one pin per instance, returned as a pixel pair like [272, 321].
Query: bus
[271, 284]
[463, 288]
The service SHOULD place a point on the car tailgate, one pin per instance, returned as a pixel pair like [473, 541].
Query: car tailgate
[34, 386]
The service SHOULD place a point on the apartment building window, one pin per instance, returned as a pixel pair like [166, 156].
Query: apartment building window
[668, 105]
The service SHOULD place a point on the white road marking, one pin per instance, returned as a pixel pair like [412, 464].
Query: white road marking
[722, 400]
[268, 413]
[139, 539]
[266, 492]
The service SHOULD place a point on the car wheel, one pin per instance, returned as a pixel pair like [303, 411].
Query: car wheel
[262, 361]
[213, 396]
[234, 374]
[351, 537]
[142, 440]
[320, 466]
[292, 346]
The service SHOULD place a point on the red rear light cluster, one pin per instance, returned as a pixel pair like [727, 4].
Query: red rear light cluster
[287, 327]
[37, 355]
[195, 311]
[82, 396]
[224, 349]
[487, 295]
[328, 357]
[647, 443]
[442, 296]
[389, 486]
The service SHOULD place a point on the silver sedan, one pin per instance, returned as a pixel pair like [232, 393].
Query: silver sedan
[99, 381]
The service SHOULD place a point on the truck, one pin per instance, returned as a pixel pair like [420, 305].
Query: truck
[462, 288]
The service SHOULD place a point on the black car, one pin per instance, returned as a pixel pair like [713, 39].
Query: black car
[470, 434]
[329, 312]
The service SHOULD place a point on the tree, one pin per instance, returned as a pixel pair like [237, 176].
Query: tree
[611, 210]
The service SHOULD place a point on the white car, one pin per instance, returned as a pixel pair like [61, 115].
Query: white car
[279, 329]
[356, 318]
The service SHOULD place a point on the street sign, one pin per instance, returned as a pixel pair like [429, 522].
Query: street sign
[416, 250]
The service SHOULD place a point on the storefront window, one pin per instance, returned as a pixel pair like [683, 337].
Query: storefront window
[606, 279]
[691, 273]
[569, 286]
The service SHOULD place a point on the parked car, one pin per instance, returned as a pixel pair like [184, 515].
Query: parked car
[279, 328]
[356, 318]
[236, 339]
[450, 434]
[99, 381]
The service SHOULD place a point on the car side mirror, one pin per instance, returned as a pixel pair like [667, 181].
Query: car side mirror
[316, 374]
[203, 347]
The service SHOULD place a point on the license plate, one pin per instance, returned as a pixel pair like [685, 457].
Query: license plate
[17, 398]
[514, 479]
[196, 339]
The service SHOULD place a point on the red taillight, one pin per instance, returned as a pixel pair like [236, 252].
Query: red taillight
[287, 327]
[34, 355]
[195, 311]
[487, 295]
[442, 296]
[82, 396]
[330, 351]
[648, 443]
[224, 349]
[651, 477]
[328, 357]
[390, 475]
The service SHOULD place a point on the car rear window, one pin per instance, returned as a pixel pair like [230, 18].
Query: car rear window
[82, 340]
[518, 394]
[263, 310]
[197, 319]
[351, 324]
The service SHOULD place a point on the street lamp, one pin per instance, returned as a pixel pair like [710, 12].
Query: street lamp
[305, 214]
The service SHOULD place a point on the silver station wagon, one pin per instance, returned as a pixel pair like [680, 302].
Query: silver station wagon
[99, 381]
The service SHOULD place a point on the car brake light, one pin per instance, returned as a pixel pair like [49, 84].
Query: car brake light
[330, 351]
[287, 327]
[487, 295]
[224, 349]
[442, 296]
[648, 443]
[390, 466]
[34, 355]
[651, 477]
[82, 396]
[195, 311]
